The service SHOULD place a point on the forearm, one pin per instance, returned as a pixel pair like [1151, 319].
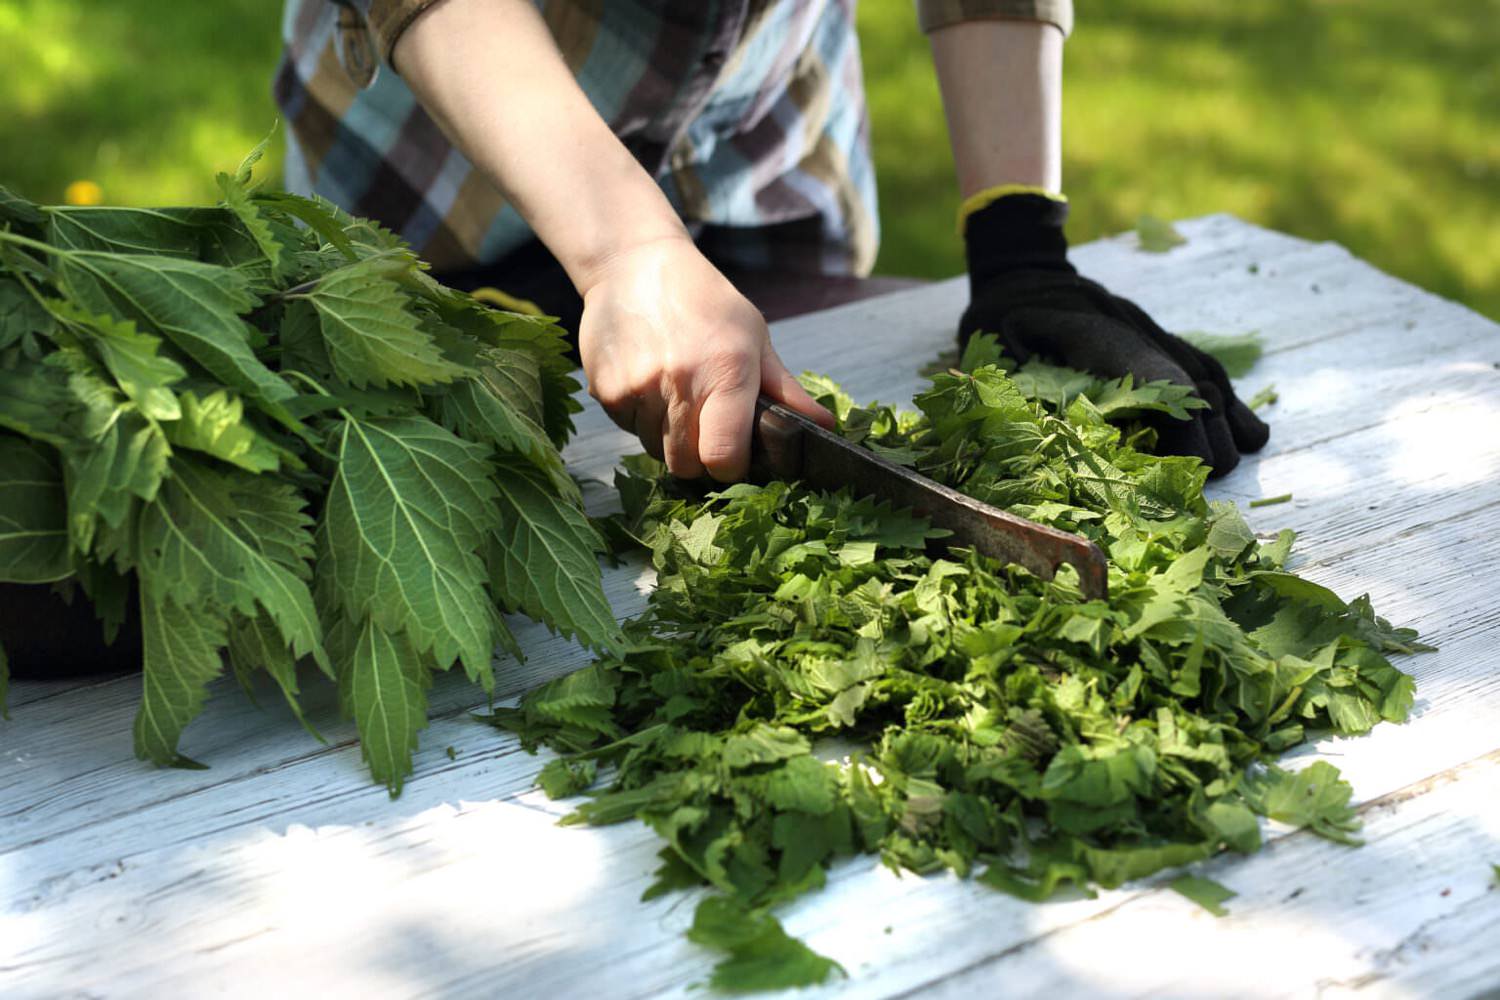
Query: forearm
[1001, 82]
[490, 74]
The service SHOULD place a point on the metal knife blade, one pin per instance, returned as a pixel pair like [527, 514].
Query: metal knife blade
[788, 445]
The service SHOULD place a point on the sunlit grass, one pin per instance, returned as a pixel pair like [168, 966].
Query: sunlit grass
[1375, 124]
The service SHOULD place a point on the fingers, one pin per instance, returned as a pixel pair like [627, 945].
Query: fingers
[1220, 440]
[1250, 432]
[777, 382]
[679, 432]
[724, 421]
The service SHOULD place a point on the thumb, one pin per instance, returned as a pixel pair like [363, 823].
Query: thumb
[782, 386]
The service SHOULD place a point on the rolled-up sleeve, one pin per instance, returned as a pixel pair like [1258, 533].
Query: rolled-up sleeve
[389, 18]
[934, 14]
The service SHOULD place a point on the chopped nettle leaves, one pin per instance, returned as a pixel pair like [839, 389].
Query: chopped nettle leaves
[1157, 235]
[1205, 892]
[811, 682]
[298, 444]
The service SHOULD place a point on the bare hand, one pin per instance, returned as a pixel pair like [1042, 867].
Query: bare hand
[677, 356]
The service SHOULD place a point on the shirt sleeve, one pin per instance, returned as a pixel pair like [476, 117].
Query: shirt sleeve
[934, 14]
[389, 18]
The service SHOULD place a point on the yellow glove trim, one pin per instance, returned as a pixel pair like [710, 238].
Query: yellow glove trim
[984, 199]
[504, 300]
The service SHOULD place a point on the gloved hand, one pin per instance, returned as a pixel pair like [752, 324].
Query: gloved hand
[1023, 289]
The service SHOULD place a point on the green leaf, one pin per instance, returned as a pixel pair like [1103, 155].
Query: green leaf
[36, 402]
[406, 512]
[476, 410]
[543, 558]
[195, 306]
[1156, 235]
[761, 955]
[562, 778]
[133, 359]
[215, 425]
[315, 213]
[1237, 352]
[1314, 797]
[371, 335]
[180, 655]
[119, 457]
[385, 683]
[14, 208]
[1205, 892]
[237, 199]
[257, 644]
[33, 523]
[22, 317]
[223, 538]
[151, 231]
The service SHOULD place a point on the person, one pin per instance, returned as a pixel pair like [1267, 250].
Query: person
[612, 161]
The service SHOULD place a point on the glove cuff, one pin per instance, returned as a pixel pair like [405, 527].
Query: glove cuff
[1017, 230]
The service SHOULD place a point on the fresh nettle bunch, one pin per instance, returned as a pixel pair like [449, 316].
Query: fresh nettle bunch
[1002, 725]
[266, 424]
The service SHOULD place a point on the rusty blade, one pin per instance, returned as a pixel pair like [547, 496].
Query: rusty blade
[789, 446]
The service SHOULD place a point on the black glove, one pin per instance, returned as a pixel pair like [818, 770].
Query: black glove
[1022, 288]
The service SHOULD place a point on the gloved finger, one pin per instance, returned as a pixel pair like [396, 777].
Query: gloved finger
[1091, 342]
[979, 319]
[1250, 432]
[1182, 437]
[1220, 439]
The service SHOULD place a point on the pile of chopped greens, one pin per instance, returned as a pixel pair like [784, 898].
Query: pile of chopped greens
[264, 424]
[1003, 727]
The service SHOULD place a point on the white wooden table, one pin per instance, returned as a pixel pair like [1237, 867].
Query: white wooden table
[283, 870]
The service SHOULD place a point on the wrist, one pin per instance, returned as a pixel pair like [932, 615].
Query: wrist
[1016, 230]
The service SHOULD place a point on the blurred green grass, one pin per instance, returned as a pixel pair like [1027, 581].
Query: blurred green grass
[1373, 123]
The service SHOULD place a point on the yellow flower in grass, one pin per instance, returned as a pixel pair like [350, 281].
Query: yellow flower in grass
[83, 193]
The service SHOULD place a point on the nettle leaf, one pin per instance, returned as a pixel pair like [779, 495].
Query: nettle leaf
[408, 508]
[151, 231]
[215, 425]
[1315, 797]
[179, 656]
[120, 456]
[1237, 352]
[762, 956]
[22, 317]
[223, 538]
[1156, 235]
[257, 644]
[543, 557]
[385, 685]
[195, 306]
[133, 359]
[33, 521]
[237, 199]
[36, 402]
[369, 331]
[478, 410]
[14, 208]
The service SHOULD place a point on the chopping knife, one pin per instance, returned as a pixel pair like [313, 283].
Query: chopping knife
[789, 446]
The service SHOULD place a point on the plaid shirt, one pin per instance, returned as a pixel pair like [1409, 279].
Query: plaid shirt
[749, 113]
